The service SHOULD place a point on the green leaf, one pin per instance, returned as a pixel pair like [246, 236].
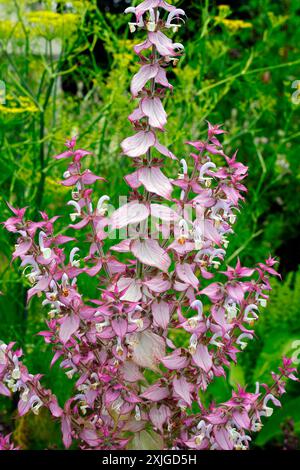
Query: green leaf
[236, 375]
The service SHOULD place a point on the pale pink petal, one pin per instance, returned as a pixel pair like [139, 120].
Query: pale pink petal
[148, 349]
[151, 253]
[132, 289]
[164, 213]
[202, 358]
[223, 439]
[23, 407]
[94, 270]
[158, 284]
[69, 325]
[166, 6]
[116, 266]
[4, 390]
[122, 247]
[175, 361]
[89, 178]
[41, 286]
[155, 393]
[132, 180]
[235, 291]
[159, 416]
[138, 144]
[90, 437]
[132, 372]
[186, 274]
[183, 389]
[80, 224]
[131, 213]
[154, 110]
[119, 325]
[213, 291]
[211, 233]
[80, 153]
[22, 248]
[148, 4]
[65, 154]
[161, 78]
[164, 151]
[155, 181]
[161, 314]
[241, 419]
[142, 47]
[140, 79]
[182, 249]
[162, 43]
[71, 181]
[54, 408]
[180, 286]
[136, 115]
[66, 429]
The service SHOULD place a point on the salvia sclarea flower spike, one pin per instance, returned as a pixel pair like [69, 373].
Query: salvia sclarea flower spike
[163, 282]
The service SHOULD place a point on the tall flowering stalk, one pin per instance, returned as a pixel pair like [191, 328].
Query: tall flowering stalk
[169, 282]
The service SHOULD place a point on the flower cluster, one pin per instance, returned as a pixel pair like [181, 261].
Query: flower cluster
[167, 280]
[6, 444]
[15, 378]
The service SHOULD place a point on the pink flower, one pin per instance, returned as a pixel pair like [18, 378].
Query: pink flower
[151, 108]
[155, 393]
[68, 327]
[6, 444]
[223, 439]
[159, 416]
[182, 389]
[163, 44]
[146, 73]
[130, 213]
[148, 4]
[175, 361]
[140, 143]
[150, 253]
[186, 274]
[13, 224]
[153, 179]
[202, 358]
[161, 313]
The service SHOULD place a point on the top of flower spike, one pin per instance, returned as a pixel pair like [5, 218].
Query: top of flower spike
[150, 5]
[71, 152]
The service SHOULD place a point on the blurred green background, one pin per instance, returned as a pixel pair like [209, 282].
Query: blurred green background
[66, 70]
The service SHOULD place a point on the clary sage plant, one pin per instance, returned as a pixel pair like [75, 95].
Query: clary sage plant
[134, 386]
